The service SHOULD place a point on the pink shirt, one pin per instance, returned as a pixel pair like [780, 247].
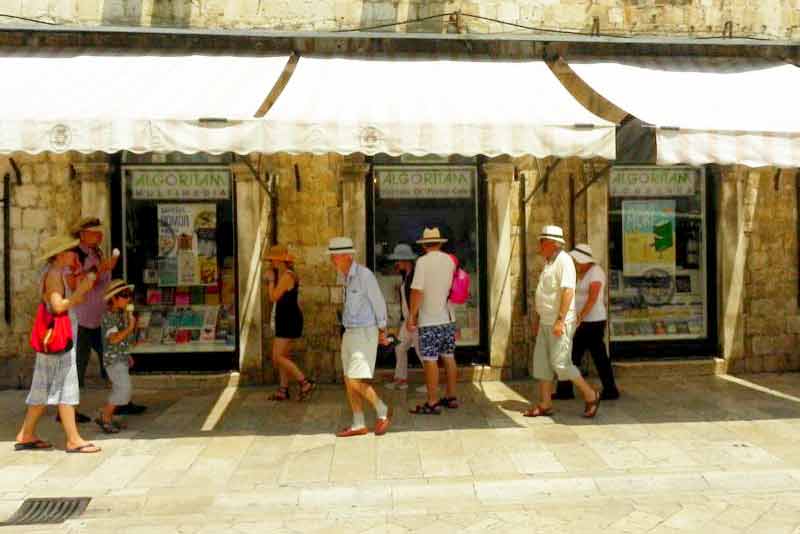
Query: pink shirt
[90, 311]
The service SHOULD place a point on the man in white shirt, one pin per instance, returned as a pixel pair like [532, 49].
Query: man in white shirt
[430, 312]
[554, 325]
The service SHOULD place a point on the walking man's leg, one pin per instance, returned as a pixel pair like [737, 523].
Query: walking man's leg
[96, 338]
[82, 352]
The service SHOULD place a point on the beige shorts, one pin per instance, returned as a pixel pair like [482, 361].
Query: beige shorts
[552, 356]
[359, 351]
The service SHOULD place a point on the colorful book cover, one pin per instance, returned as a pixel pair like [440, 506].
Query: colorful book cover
[168, 295]
[198, 295]
[154, 296]
[182, 298]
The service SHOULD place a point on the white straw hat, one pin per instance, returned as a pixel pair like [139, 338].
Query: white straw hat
[582, 253]
[553, 233]
[431, 235]
[341, 245]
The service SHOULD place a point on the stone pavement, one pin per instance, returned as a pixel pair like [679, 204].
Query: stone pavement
[711, 454]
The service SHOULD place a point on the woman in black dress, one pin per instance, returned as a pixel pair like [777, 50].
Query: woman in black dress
[282, 291]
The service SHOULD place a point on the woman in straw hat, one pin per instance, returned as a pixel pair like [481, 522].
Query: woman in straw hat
[590, 333]
[282, 290]
[55, 376]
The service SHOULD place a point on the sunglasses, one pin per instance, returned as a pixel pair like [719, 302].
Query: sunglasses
[125, 294]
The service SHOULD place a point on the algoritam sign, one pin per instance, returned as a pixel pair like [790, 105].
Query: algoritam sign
[429, 181]
[179, 183]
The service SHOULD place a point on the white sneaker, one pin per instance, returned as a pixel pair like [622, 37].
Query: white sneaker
[397, 384]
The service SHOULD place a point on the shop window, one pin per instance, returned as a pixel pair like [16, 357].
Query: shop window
[178, 250]
[658, 277]
[407, 198]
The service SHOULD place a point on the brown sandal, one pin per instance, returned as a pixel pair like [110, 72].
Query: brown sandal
[307, 388]
[281, 395]
[590, 410]
[538, 411]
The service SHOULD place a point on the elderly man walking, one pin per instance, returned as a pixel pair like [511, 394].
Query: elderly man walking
[364, 321]
[554, 325]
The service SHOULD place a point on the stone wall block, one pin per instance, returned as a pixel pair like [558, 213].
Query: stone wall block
[26, 196]
[36, 219]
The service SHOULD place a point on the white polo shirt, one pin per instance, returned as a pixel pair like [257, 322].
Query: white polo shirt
[556, 275]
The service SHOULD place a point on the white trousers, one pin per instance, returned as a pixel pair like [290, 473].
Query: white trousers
[407, 340]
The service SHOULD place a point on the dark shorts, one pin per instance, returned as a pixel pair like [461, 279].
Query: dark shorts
[435, 341]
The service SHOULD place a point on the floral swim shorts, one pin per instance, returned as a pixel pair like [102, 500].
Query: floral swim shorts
[438, 340]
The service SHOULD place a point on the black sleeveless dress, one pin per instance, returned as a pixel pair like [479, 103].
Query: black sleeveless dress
[288, 317]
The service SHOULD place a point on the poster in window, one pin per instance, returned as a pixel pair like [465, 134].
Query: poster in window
[648, 242]
[187, 245]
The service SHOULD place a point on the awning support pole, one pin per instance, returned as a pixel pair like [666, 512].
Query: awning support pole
[599, 176]
[543, 182]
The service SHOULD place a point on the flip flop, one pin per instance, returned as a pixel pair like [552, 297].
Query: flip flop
[38, 445]
[538, 411]
[82, 449]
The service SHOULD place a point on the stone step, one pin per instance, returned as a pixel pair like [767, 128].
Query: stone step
[659, 369]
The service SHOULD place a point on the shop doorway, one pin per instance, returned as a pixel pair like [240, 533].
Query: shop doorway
[178, 242]
[405, 195]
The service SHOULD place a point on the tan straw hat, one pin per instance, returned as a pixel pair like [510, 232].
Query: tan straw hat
[56, 245]
[86, 223]
[279, 253]
[431, 235]
[116, 286]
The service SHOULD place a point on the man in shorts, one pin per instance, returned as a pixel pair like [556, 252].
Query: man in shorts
[554, 325]
[431, 314]
[364, 321]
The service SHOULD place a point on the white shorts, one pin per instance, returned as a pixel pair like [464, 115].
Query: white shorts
[359, 352]
[120, 376]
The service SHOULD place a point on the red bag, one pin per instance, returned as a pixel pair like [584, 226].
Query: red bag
[51, 333]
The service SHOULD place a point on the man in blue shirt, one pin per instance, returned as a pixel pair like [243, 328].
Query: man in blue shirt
[364, 320]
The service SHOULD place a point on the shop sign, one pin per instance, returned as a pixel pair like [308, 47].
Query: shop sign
[648, 233]
[180, 184]
[187, 245]
[653, 182]
[425, 182]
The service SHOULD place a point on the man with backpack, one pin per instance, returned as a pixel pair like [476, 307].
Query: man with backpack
[430, 312]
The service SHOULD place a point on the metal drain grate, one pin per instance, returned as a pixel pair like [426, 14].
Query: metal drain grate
[47, 511]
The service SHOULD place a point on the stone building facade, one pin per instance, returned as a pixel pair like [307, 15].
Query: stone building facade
[772, 19]
[755, 211]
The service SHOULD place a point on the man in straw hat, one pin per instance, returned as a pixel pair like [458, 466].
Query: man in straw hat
[431, 313]
[554, 325]
[364, 320]
[90, 313]
[55, 376]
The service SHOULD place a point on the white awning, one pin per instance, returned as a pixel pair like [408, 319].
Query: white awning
[142, 103]
[103, 102]
[707, 110]
[433, 107]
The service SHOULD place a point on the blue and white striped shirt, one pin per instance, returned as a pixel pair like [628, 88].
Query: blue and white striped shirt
[364, 304]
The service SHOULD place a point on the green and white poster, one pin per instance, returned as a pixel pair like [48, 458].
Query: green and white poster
[187, 246]
[648, 234]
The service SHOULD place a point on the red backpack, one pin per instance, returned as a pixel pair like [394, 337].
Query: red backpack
[459, 288]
